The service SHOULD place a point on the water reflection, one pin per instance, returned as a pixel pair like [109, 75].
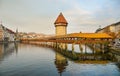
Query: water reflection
[61, 63]
[7, 49]
[117, 60]
[34, 60]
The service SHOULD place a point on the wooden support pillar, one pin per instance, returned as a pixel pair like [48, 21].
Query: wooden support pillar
[81, 49]
[50, 44]
[45, 44]
[102, 48]
[53, 45]
[57, 45]
[73, 48]
[66, 46]
[61, 46]
[93, 48]
[85, 49]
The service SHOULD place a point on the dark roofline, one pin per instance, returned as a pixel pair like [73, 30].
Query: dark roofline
[8, 29]
[114, 24]
[117, 23]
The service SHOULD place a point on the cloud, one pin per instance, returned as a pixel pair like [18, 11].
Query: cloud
[39, 15]
[82, 19]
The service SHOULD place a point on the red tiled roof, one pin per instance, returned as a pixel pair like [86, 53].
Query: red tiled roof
[10, 31]
[61, 19]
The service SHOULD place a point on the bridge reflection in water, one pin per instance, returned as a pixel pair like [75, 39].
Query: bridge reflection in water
[86, 53]
[83, 52]
[62, 59]
[87, 56]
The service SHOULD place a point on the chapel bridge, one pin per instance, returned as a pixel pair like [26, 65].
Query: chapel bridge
[96, 40]
[61, 40]
[61, 35]
[76, 38]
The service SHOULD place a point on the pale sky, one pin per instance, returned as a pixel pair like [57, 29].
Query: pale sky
[39, 15]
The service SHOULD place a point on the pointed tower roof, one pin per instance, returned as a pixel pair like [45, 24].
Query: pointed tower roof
[61, 19]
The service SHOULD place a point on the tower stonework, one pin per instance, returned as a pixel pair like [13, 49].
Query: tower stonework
[60, 25]
[61, 29]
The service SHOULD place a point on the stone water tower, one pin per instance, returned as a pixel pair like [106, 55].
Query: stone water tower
[61, 29]
[60, 25]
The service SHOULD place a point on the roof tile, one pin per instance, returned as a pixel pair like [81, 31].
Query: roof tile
[61, 19]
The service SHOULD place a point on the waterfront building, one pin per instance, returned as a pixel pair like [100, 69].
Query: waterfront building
[6, 35]
[113, 28]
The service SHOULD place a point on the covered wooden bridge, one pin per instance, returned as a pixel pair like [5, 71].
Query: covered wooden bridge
[76, 38]
[61, 42]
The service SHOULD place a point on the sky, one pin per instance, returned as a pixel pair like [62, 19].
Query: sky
[39, 15]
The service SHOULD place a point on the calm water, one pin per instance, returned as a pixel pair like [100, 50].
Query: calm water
[31, 60]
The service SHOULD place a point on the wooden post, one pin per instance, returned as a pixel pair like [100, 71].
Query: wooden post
[102, 48]
[93, 48]
[57, 45]
[81, 49]
[73, 48]
[66, 46]
[85, 49]
[61, 46]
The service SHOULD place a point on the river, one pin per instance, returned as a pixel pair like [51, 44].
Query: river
[31, 60]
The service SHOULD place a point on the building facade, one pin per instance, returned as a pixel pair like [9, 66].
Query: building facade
[113, 28]
[6, 35]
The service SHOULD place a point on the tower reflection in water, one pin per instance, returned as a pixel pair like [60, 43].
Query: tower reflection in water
[61, 63]
[7, 49]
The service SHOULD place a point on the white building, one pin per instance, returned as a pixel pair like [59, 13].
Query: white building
[6, 35]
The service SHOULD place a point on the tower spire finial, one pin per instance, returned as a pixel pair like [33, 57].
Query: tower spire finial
[60, 12]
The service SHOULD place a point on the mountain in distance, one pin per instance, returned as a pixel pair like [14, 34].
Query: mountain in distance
[33, 35]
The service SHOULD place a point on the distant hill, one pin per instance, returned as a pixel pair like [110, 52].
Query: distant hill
[33, 35]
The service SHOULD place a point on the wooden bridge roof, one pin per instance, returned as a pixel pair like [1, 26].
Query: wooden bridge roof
[86, 35]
